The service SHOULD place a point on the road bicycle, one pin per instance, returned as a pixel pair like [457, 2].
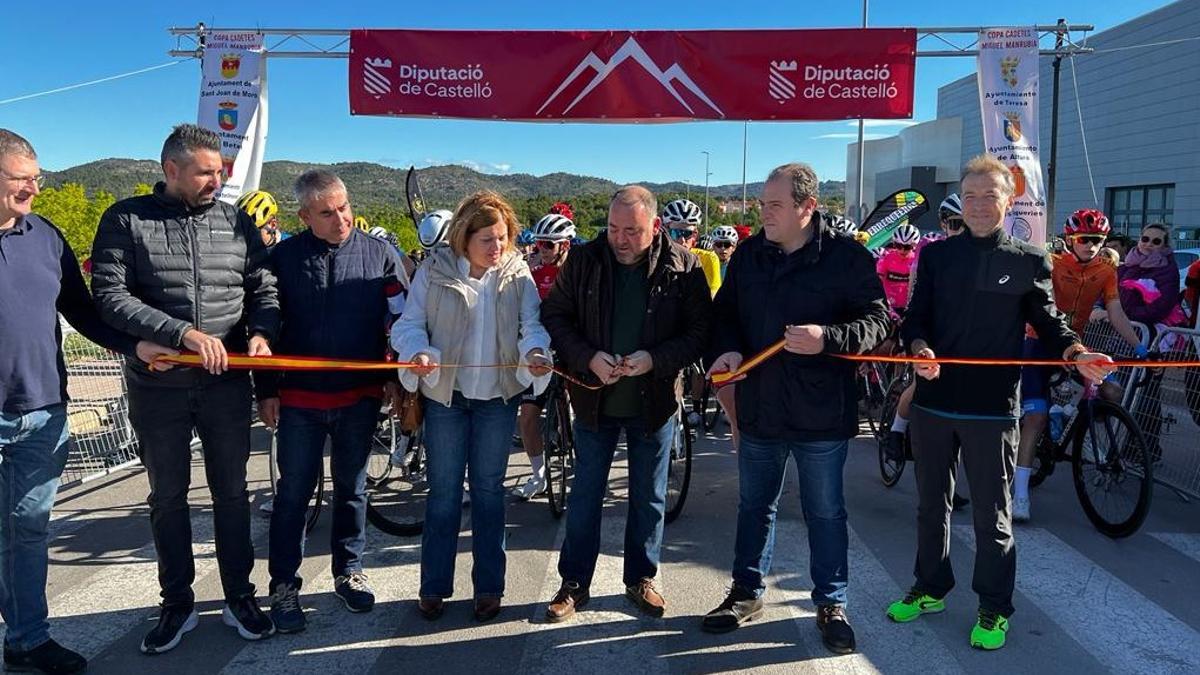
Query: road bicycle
[397, 483]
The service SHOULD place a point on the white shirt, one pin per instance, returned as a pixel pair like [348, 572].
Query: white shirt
[411, 337]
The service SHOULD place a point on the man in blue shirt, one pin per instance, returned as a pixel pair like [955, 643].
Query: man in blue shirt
[39, 277]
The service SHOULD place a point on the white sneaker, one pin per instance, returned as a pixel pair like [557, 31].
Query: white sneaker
[533, 487]
[1020, 511]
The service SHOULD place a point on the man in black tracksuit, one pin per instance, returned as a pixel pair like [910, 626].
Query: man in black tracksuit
[973, 297]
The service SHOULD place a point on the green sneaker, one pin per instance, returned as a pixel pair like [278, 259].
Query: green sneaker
[989, 631]
[914, 605]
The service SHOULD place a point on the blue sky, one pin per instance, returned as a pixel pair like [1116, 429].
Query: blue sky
[310, 120]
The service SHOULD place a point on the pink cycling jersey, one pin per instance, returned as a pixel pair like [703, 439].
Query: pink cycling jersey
[895, 269]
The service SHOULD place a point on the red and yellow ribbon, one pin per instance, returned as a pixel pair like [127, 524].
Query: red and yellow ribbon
[723, 378]
[302, 363]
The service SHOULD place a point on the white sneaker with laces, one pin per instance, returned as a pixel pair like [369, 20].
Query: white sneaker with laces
[533, 487]
[1020, 511]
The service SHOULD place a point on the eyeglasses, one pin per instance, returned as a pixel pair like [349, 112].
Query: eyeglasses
[1089, 238]
[722, 244]
[547, 245]
[38, 180]
[1156, 241]
[954, 224]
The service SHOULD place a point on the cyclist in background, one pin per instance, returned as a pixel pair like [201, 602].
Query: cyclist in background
[1081, 278]
[895, 267]
[264, 211]
[682, 218]
[553, 234]
[950, 221]
[724, 240]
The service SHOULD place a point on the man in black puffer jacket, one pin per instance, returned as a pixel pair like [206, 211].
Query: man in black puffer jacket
[181, 269]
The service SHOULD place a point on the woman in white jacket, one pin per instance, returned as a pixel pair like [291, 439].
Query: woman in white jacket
[472, 303]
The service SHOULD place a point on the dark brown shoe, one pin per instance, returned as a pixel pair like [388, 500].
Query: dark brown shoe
[568, 598]
[647, 598]
[835, 629]
[431, 608]
[486, 609]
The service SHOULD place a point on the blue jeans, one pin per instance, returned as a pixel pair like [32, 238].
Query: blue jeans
[33, 452]
[301, 451]
[471, 438]
[648, 454]
[761, 468]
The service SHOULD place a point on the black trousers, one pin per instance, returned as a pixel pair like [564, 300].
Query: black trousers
[163, 419]
[988, 450]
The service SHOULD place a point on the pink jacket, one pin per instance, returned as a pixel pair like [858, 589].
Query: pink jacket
[894, 269]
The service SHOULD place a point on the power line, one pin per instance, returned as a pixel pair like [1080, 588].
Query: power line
[88, 83]
[1148, 44]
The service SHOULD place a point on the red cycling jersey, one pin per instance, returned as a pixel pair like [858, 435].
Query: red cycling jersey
[544, 276]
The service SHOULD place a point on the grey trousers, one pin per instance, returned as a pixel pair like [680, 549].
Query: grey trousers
[989, 453]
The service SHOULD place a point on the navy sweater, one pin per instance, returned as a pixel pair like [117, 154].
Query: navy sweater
[39, 277]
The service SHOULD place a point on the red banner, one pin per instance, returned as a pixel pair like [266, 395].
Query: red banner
[634, 76]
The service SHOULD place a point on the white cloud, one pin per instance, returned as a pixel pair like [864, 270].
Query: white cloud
[866, 136]
[883, 123]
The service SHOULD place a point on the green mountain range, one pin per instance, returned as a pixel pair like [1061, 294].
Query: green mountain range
[376, 185]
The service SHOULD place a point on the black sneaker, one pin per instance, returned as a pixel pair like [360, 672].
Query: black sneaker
[835, 629]
[244, 614]
[173, 622]
[286, 613]
[354, 592]
[49, 657]
[739, 607]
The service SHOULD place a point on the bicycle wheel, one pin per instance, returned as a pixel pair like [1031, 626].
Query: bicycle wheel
[314, 508]
[890, 469]
[396, 503]
[1043, 460]
[679, 467]
[709, 416]
[1112, 470]
[874, 396]
[559, 450]
[383, 445]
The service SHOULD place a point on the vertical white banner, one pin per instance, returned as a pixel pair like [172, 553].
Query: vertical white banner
[233, 103]
[1008, 101]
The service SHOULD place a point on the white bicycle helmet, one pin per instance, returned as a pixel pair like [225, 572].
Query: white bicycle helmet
[725, 233]
[553, 227]
[906, 235]
[705, 242]
[378, 232]
[433, 228]
[682, 211]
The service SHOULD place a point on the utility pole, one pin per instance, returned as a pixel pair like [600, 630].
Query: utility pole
[858, 208]
[1052, 165]
[745, 138]
[706, 175]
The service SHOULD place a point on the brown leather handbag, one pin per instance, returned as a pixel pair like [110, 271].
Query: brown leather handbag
[409, 412]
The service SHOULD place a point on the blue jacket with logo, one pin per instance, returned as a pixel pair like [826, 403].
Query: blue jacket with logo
[333, 302]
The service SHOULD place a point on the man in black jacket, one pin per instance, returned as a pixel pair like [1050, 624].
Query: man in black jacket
[628, 311]
[973, 298]
[332, 281]
[183, 270]
[802, 281]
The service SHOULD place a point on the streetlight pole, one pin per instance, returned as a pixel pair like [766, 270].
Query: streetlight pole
[706, 175]
[858, 208]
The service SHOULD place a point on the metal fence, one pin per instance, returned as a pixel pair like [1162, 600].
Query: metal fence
[1166, 404]
[102, 439]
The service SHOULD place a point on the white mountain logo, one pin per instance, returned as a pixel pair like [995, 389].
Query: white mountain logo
[630, 50]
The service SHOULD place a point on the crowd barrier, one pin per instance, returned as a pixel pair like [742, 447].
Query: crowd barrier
[101, 440]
